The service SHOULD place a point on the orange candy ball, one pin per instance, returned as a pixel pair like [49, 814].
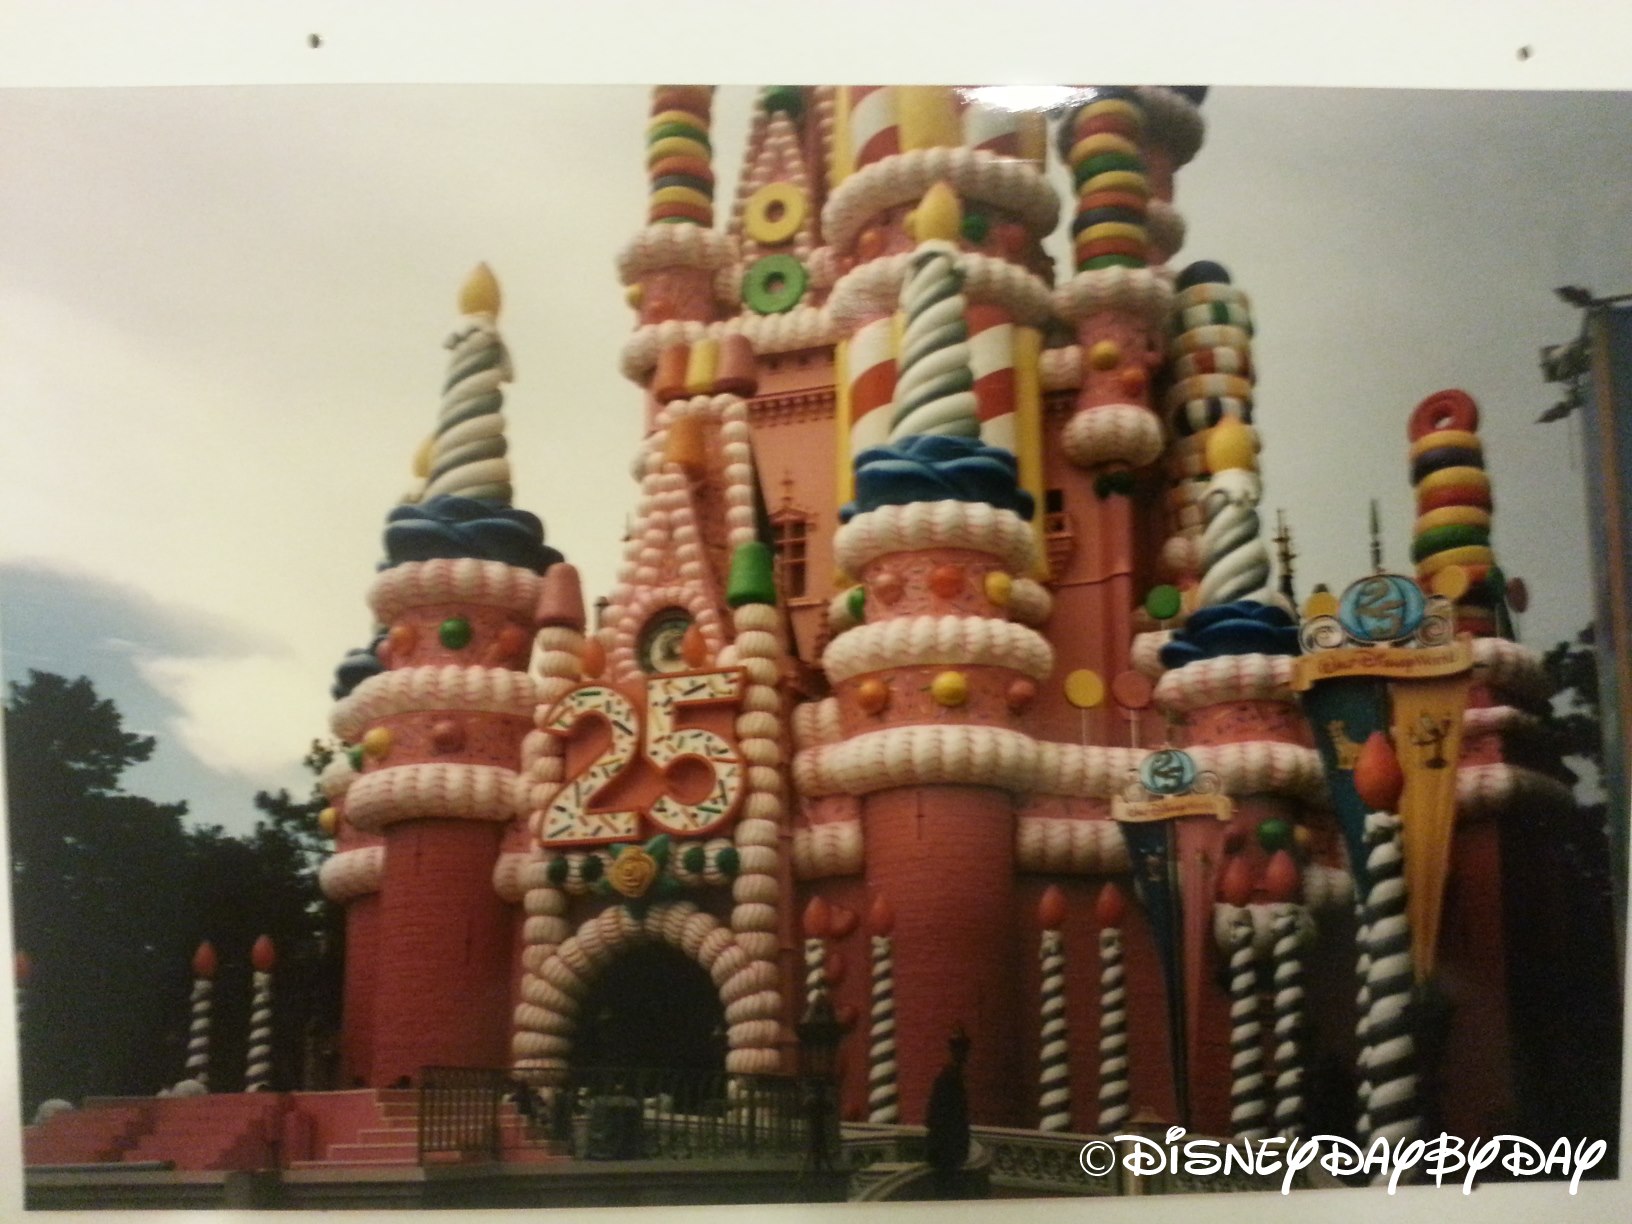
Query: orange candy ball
[946, 580]
[872, 695]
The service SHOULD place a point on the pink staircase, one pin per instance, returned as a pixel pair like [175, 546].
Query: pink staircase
[100, 1133]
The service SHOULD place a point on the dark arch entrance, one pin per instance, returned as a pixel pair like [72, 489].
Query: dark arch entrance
[652, 1008]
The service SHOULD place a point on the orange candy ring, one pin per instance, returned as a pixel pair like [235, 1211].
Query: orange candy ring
[1130, 200]
[687, 212]
[1464, 495]
[1443, 410]
[692, 167]
[693, 98]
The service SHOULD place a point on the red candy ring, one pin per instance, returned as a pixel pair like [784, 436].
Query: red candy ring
[690, 212]
[1443, 410]
[1113, 246]
[696, 167]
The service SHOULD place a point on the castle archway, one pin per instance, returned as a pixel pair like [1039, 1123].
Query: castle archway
[651, 1008]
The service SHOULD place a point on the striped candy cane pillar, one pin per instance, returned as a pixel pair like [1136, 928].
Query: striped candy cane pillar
[1390, 1048]
[874, 127]
[991, 361]
[198, 1033]
[883, 1104]
[1247, 1108]
[258, 1071]
[870, 358]
[1054, 1061]
[1113, 1011]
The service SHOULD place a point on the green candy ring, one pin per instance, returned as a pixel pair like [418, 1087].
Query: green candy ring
[774, 284]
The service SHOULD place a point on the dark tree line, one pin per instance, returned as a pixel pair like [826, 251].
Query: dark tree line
[112, 893]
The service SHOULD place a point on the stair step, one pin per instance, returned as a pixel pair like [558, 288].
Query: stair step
[373, 1153]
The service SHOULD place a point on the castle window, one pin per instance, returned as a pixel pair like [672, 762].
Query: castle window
[789, 531]
[1059, 539]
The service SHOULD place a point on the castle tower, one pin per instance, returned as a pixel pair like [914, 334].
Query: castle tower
[435, 736]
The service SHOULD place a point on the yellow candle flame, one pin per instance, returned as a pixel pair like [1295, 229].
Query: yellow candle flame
[480, 293]
[939, 215]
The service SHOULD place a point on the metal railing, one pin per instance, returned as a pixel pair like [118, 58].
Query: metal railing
[603, 1113]
[459, 1111]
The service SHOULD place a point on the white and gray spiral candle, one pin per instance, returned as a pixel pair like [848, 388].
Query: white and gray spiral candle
[1113, 1013]
[883, 1105]
[1054, 1099]
[1287, 928]
[468, 450]
[1247, 1107]
[934, 390]
[198, 1031]
[1389, 1053]
[258, 1071]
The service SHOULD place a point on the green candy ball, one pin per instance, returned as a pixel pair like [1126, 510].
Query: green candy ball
[1162, 602]
[728, 861]
[354, 754]
[556, 872]
[1275, 835]
[976, 226]
[454, 633]
[694, 859]
[788, 99]
[592, 868]
[856, 603]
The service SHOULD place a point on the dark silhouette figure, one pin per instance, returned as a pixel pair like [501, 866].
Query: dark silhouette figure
[947, 1121]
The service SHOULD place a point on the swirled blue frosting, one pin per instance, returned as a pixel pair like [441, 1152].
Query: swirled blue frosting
[1243, 627]
[357, 666]
[935, 467]
[452, 527]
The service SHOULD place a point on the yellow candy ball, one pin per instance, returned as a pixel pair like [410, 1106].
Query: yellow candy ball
[1230, 444]
[950, 688]
[328, 820]
[422, 458]
[999, 588]
[1105, 355]
[377, 741]
[633, 295]
[1084, 688]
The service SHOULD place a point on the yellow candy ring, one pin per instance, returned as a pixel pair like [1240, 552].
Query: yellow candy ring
[1116, 180]
[1452, 516]
[1112, 106]
[681, 195]
[675, 146]
[774, 213]
[1111, 229]
[1468, 555]
[1461, 439]
[1100, 142]
[1471, 478]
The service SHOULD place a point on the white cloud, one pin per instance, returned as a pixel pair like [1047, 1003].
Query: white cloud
[237, 713]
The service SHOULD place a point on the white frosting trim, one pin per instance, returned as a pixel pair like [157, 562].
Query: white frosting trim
[508, 876]
[1060, 369]
[1510, 668]
[1029, 602]
[492, 690]
[817, 722]
[826, 850]
[1112, 433]
[1147, 292]
[1145, 655]
[1074, 847]
[1487, 790]
[442, 791]
[975, 174]
[336, 778]
[671, 246]
[1208, 682]
[491, 584]
[1172, 120]
[976, 526]
[352, 873]
[920, 641]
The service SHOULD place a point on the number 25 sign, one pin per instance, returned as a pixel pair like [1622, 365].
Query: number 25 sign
[574, 814]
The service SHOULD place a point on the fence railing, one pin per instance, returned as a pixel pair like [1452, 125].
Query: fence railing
[603, 1113]
[459, 1111]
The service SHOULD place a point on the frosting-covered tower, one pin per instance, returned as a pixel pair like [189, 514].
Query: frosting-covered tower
[434, 738]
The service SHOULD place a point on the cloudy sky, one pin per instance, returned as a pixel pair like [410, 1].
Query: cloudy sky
[224, 310]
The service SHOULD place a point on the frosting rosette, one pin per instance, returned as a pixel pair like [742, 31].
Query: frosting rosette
[1243, 627]
[452, 527]
[936, 467]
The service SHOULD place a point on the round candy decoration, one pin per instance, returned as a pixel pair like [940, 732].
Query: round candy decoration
[1382, 608]
[1084, 689]
[1163, 602]
[1131, 690]
[1168, 771]
[1274, 834]
[774, 213]
[454, 633]
[872, 695]
[1518, 595]
[950, 688]
[773, 284]
[1443, 410]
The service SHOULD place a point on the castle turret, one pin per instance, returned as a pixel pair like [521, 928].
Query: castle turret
[435, 737]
